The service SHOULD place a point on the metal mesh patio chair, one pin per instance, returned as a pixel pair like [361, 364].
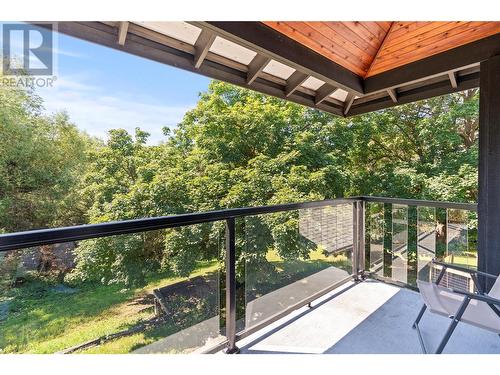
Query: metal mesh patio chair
[480, 309]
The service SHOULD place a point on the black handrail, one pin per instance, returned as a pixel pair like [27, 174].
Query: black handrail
[422, 203]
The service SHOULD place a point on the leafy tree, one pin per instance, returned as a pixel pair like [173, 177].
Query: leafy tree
[112, 188]
[408, 151]
[41, 160]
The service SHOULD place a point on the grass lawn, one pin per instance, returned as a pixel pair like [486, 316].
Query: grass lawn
[464, 259]
[42, 320]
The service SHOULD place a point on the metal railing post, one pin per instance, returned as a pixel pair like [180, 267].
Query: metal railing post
[355, 240]
[361, 237]
[358, 231]
[231, 286]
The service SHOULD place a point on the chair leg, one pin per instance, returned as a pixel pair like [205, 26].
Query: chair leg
[453, 325]
[415, 326]
[420, 314]
[420, 339]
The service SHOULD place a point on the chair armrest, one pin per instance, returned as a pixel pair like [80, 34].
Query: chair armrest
[463, 269]
[479, 297]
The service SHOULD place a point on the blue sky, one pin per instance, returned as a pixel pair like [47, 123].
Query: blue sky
[102, 88]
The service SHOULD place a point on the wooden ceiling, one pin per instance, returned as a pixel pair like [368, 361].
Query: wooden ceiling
[370, 48]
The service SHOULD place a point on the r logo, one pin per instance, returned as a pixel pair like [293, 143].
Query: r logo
[27, 49]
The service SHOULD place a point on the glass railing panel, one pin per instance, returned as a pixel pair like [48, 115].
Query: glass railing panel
[375, 222]
[448, 235]
[457, 251]
[426, 240]
[399, 254]
[290, 256]
[472, 239]
[456, 240]
[152, 292]
[462, 238]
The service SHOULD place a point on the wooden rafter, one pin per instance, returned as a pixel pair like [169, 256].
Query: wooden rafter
[393, 94]
[256, 66]
[122, 32]
[324, 92]
[453, 79]
[293, 83]
[348, 103]
[202, 46]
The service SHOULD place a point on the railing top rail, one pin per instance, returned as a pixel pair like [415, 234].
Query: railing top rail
[422, 203]
[40, 237]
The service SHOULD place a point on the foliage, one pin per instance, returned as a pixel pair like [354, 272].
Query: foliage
[110, 260]
[41, 160]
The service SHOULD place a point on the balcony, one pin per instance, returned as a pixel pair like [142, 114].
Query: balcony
[336, 276]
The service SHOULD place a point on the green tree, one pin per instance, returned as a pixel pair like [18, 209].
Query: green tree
[41, 160]
[114, 189]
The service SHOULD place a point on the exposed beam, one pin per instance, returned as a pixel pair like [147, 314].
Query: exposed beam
[453, 79]
[324, 92]
[348, 103]
[440, 88]
[440, 63]
[393, 94]
[201, 47]
[256, 66]
[105, 35]
[269, 42]
[122, 32]
[293, 83]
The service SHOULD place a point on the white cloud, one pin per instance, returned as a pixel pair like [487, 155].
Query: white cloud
[96, 112]
[77, 55]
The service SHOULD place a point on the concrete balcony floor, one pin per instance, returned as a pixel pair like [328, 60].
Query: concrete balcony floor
[368, 317]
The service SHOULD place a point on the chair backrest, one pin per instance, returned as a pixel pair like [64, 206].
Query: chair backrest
[495, 289]
[444, 301]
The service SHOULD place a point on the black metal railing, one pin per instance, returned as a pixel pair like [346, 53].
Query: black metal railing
[378, 232]
[42, 237]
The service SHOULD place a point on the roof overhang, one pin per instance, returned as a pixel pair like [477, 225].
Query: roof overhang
[259, 57]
